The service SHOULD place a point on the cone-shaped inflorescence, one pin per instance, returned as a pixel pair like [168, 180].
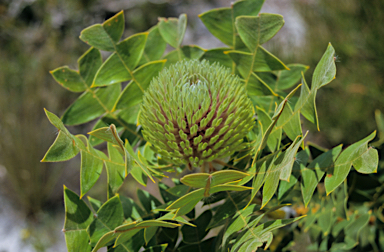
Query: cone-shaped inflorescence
[196, 112]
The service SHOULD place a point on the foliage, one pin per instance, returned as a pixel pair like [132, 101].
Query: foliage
[244, 199]
[360, 72]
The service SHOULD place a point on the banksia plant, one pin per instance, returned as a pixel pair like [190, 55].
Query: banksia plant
[196, 112]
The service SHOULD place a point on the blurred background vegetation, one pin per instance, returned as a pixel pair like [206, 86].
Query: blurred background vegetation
[37, 36]
[346, 108]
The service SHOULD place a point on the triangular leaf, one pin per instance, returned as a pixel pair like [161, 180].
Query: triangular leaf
[173, 29]
[105, 36]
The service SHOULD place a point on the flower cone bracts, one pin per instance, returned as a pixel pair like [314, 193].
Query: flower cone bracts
[195, 112]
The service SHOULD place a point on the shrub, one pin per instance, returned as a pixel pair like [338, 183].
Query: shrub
[224, 110]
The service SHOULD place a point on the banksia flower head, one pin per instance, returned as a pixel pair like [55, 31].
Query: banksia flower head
[195, 112]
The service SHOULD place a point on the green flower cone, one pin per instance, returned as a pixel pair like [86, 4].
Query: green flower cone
[195, 112]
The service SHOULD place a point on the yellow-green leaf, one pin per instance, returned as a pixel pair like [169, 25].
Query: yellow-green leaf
[105, 36]
[91, 105]
[354, 153]
[255, 31]
[69, 79]
[173, 29]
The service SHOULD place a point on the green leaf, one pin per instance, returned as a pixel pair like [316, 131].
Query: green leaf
[65, 142]
[312, 175]
[95, 204]
[247, 7]
[109, 216]
[172, 29]
[150, 227]
[306, 103]
[157, 248]
[69, 79]
[196, 234]
[353, 230]
[239, 221]
[286, 187]
[108, 134]
[77, 218]
[259, 61]
[274, 138]
[155, 46]
[186, 203]
[178, 190]
[367, 162]
[120, 65]
[79, 81]
[259, 179]
[156, 223]
[250, 245]
[168, 236]
[354, 153]
[290, 123]
[89, 63]
[325, 218]
[131, 209]
[106, 35]
[288, 78]
[114, 26]
[103, 122]
[289, 158]
[115, 170]
[280, 168]
[185, 52]
[77, 214]
[219, 23]
[220, 188]
[105, 240]
[90, 169]
[260, 146]
[91, 105]
[131, 49]
[232, 205]
[149, 232]
[139, 175]
[112, 71]
[130, 115]
[200, 180]
[92, 160]
[324, 73]
[255, 31]
[148, 201]
[77, 240]
[165, 195]
[262, 233]
[257, 88]
[133, 92]
[380, 127]
[131, 157]
[144, 224]
[61, 150]
[132, 240]
[325, 70]
[275, 118]
[218, 55]
[272, 178]
[173, 217]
